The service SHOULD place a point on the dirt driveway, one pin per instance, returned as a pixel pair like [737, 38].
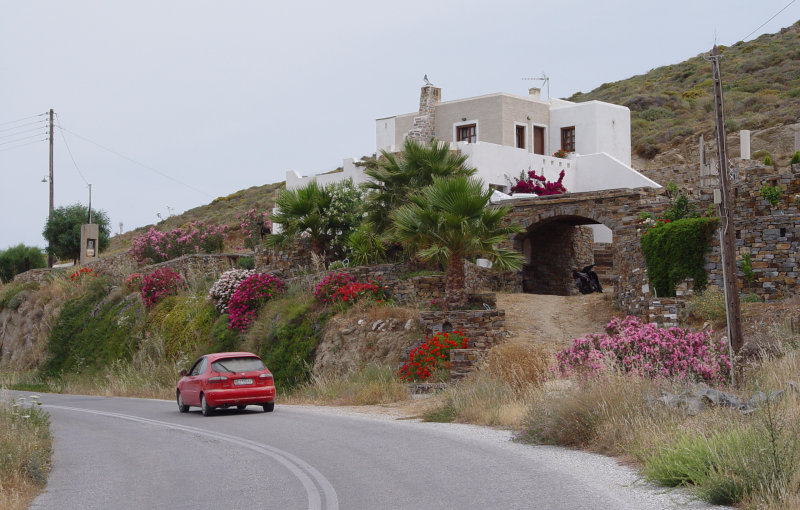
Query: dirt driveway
[554, 320]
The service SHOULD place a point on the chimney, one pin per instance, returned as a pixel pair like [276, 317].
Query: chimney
[424, 128]
[535, 93]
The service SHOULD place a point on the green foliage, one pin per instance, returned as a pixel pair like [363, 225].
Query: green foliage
[747, 268]
[680, 208]
[366, 246]
[11, 294]
[399, 175]
[708, 305]
[184, 322]
[675, 251]
[224, 339]
[18, 259]
[327, 214]
[795, 158]
[93, 330]
[63, 230]
[771, 194]
[286, 335]
[246, 263]
[767, 160]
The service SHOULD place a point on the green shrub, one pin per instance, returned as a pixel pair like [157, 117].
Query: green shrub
[747, 268]
[767, 160]
[10, 297]
[795, 158]
[224, 339]
[771, 194]
[19, 259]
[93, 330]
[708, 305]
[674, 251]
[184, 322]
[246, 263]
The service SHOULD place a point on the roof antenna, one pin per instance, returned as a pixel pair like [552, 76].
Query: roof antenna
[545, 81]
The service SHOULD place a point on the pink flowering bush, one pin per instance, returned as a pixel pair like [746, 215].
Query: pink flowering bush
[648, 350]
[539, 185]
[253, 224]
[250, 295]
[197, 237]
[134, 282]
[325, 289]
[223, 289]
[160, 284]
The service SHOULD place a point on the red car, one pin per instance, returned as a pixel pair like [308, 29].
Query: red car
[226, 379]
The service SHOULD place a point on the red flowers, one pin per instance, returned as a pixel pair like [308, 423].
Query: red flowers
[432, 355]
[342, 288]
[160, 284]
[539, 185]
[78, 276]
[248, 297]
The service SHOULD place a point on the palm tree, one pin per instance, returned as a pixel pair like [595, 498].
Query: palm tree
[302, 210]
[450, 220]
[398, 175]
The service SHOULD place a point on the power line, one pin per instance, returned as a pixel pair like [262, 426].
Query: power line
[20, 139]
[22, 145]
[17, 133]
[40, 122]
[159, 172]
[20, 120]
[70, 152]
[772, 18]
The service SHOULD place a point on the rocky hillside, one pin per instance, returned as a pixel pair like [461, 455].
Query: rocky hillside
[672, 105]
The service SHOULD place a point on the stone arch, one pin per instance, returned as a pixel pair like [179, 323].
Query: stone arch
[559, 220]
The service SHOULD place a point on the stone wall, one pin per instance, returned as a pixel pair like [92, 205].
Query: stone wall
[483, 328]
[424, 126]
[555, 250]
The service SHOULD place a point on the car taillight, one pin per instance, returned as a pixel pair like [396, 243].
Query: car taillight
[265, 376]
[217, 378]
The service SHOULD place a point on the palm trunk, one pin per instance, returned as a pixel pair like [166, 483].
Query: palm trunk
[455, 286]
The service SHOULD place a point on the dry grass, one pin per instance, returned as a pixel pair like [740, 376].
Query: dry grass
[370, 385]
[520, 366]
[25, 447]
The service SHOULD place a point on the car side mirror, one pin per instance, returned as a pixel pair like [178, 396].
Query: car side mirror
[183, 372]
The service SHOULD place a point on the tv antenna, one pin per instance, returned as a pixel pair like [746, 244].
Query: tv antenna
[545, 82]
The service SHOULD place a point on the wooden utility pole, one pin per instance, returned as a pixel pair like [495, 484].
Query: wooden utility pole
[50, 257]
[727, 226]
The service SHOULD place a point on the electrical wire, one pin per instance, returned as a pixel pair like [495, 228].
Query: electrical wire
[22, 145]
[20, 120]
[70, 152]
[20, 139]
[17, 133]
[772, 18]
[159, 172]
[40, 122]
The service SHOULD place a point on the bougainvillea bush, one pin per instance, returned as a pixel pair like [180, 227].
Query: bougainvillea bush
[355, 291]
[160, 284]
[222, 290]
[539, 185]
[645, 349]
[253, 225]
[197, 237]
[432, 356]
[325, 289]
[250, 295]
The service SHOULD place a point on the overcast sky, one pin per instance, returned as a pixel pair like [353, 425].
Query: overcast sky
[198, 99]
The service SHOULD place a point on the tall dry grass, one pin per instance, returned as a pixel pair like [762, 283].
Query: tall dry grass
[370, 385]
[25, 448]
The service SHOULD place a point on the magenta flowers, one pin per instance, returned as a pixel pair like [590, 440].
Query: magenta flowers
[648, 350]
[249, 296]
[160, 284]
[197, 237]
[539, 185]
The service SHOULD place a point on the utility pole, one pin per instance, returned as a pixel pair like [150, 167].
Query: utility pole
[727, 226]
[90, 204]
[50, 257]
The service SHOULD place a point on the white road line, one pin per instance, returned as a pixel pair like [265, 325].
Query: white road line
[304, 472]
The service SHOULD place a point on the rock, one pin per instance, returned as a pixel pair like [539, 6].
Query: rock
[409, 324]
[377, 324]
[361, 322]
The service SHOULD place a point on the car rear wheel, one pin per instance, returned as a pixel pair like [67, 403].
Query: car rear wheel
[241, 407]
[181, 406]
[207, 409]
[268, 407]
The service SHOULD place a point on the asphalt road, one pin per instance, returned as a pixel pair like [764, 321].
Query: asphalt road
[117, 453]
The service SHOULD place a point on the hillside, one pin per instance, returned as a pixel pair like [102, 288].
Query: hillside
[671, 106]
[221, 211]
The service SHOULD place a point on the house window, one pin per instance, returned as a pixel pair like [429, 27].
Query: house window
[520, 137]
[568, 138]
[467, 133]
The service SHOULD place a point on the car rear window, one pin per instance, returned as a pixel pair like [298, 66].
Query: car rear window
[243, 364]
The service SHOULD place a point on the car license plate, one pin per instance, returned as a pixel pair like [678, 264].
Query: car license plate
[240, 382]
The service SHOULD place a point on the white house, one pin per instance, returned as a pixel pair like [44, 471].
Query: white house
[504, 135]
